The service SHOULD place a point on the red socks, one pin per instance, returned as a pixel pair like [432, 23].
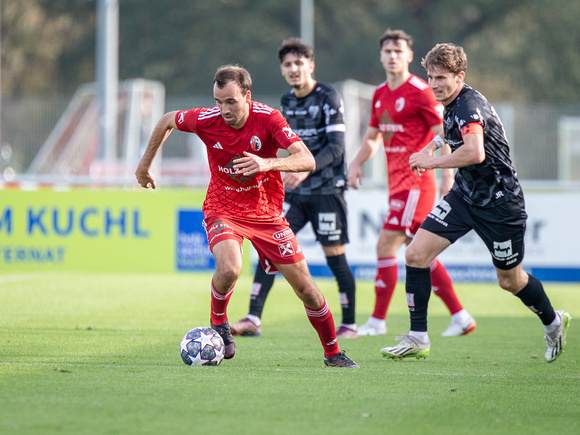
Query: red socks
[322, 321]
[219, 305]
[385, 283]
[443, 287]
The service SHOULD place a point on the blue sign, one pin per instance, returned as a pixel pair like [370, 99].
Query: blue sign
[192, 249]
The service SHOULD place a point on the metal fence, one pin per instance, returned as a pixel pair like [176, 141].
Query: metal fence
[545, 138]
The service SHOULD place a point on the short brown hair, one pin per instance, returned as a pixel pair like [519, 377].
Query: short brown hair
[395, 35]
[297, 47]
[233, 73]
[446, 56]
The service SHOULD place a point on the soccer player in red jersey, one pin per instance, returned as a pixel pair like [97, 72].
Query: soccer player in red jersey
[245, 196]
[405, 115]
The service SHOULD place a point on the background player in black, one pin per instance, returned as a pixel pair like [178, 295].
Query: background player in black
[314, 110]
[486, 197]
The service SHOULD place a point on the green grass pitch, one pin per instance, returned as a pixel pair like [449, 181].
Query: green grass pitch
[99, 354]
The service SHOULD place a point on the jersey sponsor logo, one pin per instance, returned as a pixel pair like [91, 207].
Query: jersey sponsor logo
[282, 235]
[289, 133]
[306, 132]
[397, 204]
[286, 249]
[391, 128]
[255, 143]
[395, 149]
[218, 146]
[399, 104]
[181, 118]
[229, 170]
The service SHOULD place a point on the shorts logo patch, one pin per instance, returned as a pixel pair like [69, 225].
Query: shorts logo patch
[327, 221]
[218, 227]
[441, 210]
[286, 249]
[393, 221]
[282, 235]
[396, 205]
[502, 249]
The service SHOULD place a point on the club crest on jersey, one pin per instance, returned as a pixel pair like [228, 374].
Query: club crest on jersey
[399, 104]
[255, 143]
[314, 111]
[289, 133]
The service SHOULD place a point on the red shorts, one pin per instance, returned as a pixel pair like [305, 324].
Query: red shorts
[273, 240]
[408, 210]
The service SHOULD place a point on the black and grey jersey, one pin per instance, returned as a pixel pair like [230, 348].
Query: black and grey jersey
[318, 119]
[494, 180]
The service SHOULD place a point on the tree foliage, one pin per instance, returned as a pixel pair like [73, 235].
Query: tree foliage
[523, 50]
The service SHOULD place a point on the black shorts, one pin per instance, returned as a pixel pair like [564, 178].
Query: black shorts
[326, 213]
[501, 228]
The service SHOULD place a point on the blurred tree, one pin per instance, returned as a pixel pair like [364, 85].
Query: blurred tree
[518, 50]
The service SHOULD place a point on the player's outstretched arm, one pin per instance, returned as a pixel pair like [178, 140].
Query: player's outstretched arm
[160, 133]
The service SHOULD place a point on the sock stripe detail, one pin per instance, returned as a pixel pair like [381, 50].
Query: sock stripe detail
[386, 262]
[321, 312]
[219, 296]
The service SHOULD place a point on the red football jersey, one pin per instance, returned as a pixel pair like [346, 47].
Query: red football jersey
[405, 117]
[259, 196]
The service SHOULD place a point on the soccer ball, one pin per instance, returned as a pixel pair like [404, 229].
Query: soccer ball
[202, 347]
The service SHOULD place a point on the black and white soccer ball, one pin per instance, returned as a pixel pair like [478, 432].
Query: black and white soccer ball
[202, 347]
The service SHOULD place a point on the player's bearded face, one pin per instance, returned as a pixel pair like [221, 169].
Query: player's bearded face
[233, 104]
[445, 84]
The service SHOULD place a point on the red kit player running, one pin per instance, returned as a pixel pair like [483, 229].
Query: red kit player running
[406, 116]
[245, 196]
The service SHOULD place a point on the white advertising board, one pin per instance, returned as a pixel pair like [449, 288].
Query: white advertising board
[551, 253]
